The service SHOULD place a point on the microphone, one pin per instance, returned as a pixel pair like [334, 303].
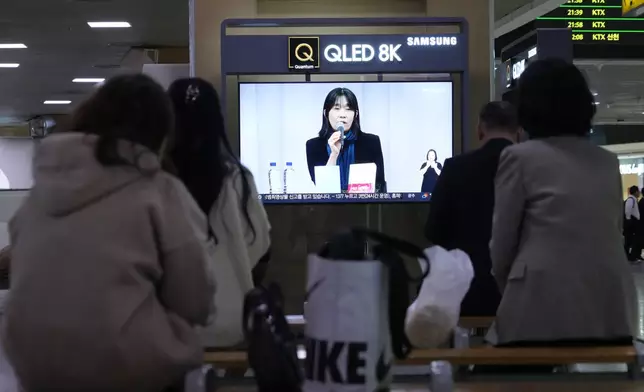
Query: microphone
[340, 127]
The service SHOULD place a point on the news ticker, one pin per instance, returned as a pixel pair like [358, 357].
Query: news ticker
[295, 198]
[599, 21]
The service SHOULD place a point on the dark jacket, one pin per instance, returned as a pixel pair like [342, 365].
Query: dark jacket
[367, 150]
[461, 218]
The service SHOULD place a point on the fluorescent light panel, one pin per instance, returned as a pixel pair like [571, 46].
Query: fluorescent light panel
[109, 25]
[9, 65]
[57, 102]
[13, 46]
[88, 80]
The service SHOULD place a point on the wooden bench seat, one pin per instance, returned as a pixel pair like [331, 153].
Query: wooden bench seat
[477, 356]
[475, 322]
[507, 386]
[524, 356]
[297, 321]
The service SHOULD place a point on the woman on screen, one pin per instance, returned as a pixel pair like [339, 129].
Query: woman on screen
[341, 120]
[226, 193]
[430, 169]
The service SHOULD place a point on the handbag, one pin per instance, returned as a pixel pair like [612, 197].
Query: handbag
[357, 298]
[272, 348]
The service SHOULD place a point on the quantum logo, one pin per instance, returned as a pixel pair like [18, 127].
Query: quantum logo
[303, 53]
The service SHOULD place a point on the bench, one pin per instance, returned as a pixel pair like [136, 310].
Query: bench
[440, 361]
[475, 322]
[298, 321]
[477, 356]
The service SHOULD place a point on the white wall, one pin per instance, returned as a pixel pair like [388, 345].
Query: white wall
[10, 201]
[276, 120]
[16, 155]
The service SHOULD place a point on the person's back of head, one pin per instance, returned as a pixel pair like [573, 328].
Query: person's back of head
[201, 152]
[498, 119]
[554, 100]
[132, 108]
[125, 123]
[634, 191]
[201, 155]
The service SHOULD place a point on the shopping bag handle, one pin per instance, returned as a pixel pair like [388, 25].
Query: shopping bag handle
[398, 245]
[387, 251]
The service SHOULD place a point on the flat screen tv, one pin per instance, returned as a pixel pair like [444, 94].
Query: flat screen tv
[346, 142]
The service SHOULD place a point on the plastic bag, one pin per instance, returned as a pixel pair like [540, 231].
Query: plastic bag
[435, 312]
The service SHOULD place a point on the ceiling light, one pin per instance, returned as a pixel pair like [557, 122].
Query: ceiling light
[595, 94]
[88, 80]
[13, 46]
[9, 65]
[109, 25]
[59, 102]
[597, 103]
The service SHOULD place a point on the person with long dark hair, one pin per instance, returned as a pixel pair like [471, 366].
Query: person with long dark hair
[341, 120]
[203, 159]
[557, 247]
[108, 274]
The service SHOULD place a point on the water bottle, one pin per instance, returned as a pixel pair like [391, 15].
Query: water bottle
[274, 179]
[289, 172]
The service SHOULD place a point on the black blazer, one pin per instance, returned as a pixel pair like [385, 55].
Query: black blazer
[460, 217]
[367, 150]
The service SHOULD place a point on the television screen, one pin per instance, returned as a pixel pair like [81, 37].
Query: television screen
[346, 142]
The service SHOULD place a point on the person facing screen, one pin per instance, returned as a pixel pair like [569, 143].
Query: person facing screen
[430, 169]
[341, 119]
[203, 159]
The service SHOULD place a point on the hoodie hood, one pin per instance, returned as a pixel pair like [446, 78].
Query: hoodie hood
[67, 176]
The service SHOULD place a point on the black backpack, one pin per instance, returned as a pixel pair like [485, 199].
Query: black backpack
[272, 347]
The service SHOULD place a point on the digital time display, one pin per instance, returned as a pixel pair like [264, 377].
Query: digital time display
[599, 21]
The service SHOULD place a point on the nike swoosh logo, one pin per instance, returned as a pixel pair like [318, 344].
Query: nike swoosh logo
[382, 368]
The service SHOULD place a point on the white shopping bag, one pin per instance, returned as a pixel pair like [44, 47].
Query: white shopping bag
[355, 313]
[435, 312]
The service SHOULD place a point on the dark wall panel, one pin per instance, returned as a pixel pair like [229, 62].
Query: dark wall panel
[300, 230]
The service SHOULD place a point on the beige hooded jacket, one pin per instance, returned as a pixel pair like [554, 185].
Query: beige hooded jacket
[108, 274]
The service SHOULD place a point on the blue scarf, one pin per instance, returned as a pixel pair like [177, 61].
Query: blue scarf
[346, 158]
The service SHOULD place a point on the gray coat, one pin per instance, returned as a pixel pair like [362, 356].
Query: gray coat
[556, 246]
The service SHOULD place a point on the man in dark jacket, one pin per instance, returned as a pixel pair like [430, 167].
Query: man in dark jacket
[462, 204]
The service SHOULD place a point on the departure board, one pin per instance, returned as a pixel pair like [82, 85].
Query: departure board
[599, 21]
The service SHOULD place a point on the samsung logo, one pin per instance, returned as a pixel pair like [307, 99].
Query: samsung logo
[432, 41]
